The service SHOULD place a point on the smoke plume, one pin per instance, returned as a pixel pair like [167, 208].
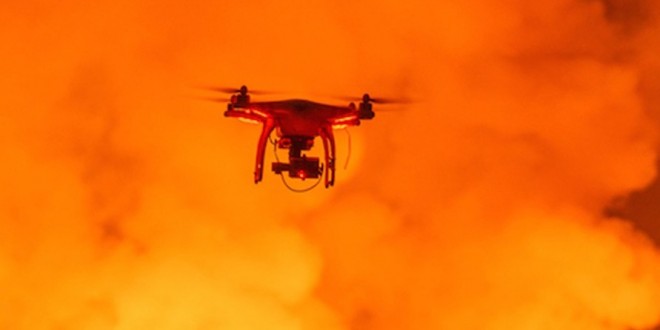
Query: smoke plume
[482, 204]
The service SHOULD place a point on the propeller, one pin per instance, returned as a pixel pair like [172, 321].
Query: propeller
[380, 100]
[212, 99]
[228, 90]
[233, 90]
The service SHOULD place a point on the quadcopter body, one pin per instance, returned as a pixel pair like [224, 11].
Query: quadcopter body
[297, 123]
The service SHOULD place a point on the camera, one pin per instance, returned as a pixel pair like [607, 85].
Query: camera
[300, 167]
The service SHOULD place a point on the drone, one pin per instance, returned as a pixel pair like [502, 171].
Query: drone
[297, 123]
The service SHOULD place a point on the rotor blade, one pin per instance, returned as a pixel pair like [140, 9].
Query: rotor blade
[212, 99]
[390, 109]
[234, 90]
[347, 98]
[377, 100]
[229, 90]
[380, 100]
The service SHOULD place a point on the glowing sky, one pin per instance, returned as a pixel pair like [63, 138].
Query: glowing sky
[497, 200]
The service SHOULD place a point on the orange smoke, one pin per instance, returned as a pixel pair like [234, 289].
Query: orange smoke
[129, 205]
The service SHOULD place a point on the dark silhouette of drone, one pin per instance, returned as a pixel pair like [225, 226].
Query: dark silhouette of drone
[297, 123]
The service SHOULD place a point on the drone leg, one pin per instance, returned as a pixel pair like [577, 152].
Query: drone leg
[332, 156]
[324, 138]
[328, 138]
[268, 127]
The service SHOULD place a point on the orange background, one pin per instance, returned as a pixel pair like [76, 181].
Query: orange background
[495, 201]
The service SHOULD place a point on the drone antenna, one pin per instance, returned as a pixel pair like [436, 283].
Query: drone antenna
[300, 190]
[348, 156]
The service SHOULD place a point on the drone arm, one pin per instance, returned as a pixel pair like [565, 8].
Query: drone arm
[246, 114]
[269, 125]
[344, 121]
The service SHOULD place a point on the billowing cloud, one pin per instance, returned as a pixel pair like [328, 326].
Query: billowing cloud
[127, 204]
